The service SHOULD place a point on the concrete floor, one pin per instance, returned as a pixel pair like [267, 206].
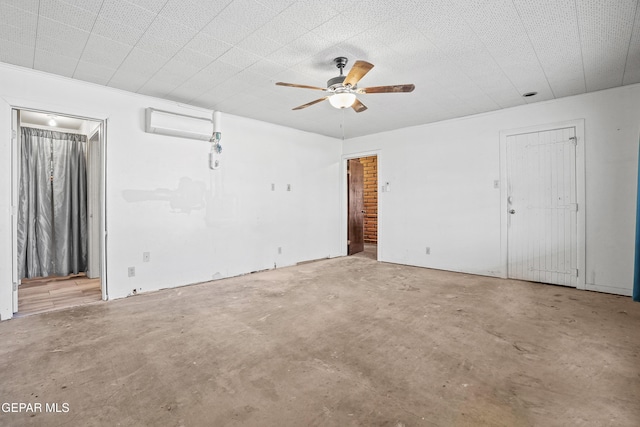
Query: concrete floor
[340, 342]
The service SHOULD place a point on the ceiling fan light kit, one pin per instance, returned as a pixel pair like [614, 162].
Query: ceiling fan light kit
[342, 100]
[343, 90]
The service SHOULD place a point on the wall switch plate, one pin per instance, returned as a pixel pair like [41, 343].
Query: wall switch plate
[279, 250]
[132, 271]
[496, 184]
[288, 187]
[428, 250]
[146, 256]
[273, 187]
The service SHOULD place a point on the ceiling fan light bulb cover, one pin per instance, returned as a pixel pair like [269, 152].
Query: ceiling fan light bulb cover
[342, 100]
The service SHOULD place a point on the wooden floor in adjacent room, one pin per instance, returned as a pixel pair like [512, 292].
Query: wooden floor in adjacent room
[44, 294]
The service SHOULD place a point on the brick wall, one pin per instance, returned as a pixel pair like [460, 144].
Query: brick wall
[370, 165]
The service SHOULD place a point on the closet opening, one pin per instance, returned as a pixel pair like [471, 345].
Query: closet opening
[58, 222]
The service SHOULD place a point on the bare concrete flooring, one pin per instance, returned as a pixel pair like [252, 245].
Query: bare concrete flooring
[341, 342]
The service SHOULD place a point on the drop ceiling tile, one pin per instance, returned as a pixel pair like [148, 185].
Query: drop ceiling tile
[59, 31]
[127, 14]
[605, 31]
[288, 56]
[259, 44]
[141, 61]
[93, 73]
[90, 5]
[247, 78]
[160, 47]
[311, 44]
[105, 52]
[27, 5]
[17, 17]
[337, 29]
[266, 68]
[309, 13]
[158, 87]
[217, 94]
[499, 28]
[185, 94]
[226, 31]
[164, 29]
[175, 71]
[236, 12]
[190, 14]
[154, 6]
[506, 98]
[281, 29]
[68, 14]
[218, 72]
[207, 45]
[632, 69]
[239, 58]
[69, 48]
[192, 58]
[128, 80]
[16, 53]
[277, 5]
[55, 63]
[553, 30]
[23, 34]
[117, 31]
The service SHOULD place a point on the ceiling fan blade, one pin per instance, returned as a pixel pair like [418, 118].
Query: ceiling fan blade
[300, 86]
[358, 106]
[309, 104]
[358, 71]
[387, 89]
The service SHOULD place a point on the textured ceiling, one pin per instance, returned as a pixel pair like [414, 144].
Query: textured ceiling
[464, 56]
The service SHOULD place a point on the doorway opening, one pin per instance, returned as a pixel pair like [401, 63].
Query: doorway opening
[362, 206]
[58, 223]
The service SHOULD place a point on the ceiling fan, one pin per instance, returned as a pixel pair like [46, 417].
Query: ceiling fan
[342, 90]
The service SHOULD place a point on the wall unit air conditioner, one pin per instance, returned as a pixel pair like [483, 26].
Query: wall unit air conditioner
[173, 124]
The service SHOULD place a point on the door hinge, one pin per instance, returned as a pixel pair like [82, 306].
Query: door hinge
[576, 271]
[15, 286]
[14, 134]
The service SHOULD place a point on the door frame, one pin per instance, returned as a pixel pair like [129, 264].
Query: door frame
[578, 124]
[344, 205]
[102, 188]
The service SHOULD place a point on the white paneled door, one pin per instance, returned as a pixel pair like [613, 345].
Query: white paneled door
[542, 207]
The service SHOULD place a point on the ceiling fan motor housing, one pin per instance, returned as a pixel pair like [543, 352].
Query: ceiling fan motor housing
[335, 82]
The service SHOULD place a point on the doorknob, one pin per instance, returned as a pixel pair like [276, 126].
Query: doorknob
[512, 211]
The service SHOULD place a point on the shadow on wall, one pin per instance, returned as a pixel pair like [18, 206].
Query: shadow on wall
[189, 196]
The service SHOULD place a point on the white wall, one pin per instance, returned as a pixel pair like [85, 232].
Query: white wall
[211, 224]
[442, 194]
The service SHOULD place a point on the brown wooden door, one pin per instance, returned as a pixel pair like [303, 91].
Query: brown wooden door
[355, 183]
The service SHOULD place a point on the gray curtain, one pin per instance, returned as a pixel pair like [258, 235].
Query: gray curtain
[52, 208]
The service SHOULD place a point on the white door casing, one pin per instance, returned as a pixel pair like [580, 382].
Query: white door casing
[94, 203]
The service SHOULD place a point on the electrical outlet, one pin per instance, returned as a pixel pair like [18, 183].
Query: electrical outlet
[279, 250]
[146, 256]
[132, 271]
[273, 187]
[428, 250]
[288, 187]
